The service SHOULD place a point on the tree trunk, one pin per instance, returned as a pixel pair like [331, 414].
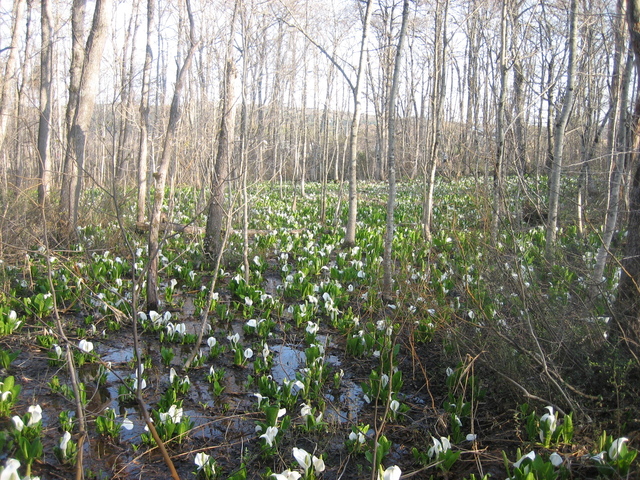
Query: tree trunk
[220, 176]
[500, 130]
[391, 160]
[161, 173]
[618, 146]
[437, 99]
[143, 148]
[79, 127]
[558, 138]
[628, 300]
[9, 78]
[44, 123]
[350, 233]
[75, 73]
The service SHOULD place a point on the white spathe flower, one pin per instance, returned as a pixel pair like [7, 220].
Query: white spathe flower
[616, 447]
[174, 414]
[439, 446]
[248, 353]
[248, 302]
[265, 350]
[287, 475]
[85, 345]
[172, 375]
[549, 419]
[359, 437]
[312, 328]
[58, 349]
[531, 456]
[305, 410]
[143, 384]
[259, 397]
[235, 338]
[303, 458]
[318, 464]
[456, 418]
[391, 473]
[471, 437]
[36, 415]
[201, 460]
[64, 441]
[270, 435]
[556, 459]
[306, 460]
[252, 323]
[127, 424]
[181, 329]
[10, 470]
[394, 406]
[17, 423]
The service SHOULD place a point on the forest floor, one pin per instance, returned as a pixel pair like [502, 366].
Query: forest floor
[447, 380]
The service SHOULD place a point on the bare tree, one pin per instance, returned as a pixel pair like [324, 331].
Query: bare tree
[350, 233]
[44, 123]
[220, 176]
[9, 75]
[163, 168]
[500, 129]
[356, 90]
[438, 91]
[143, 148]
[391, 159]
[81, 118]
[559, 134]
[617, 143]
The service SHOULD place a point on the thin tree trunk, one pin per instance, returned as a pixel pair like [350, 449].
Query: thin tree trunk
[9, 78]
[75, 73]
[391, 160]
[437, 99]
[127, 106]
[500, 130]
[350, 233]
[143, 149]
[163, 168]
[217, 211]
[617, 144]
[558, 138]
[44, 123]
[80, 123]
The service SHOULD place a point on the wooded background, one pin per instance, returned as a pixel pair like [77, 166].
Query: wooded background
[471, 68]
